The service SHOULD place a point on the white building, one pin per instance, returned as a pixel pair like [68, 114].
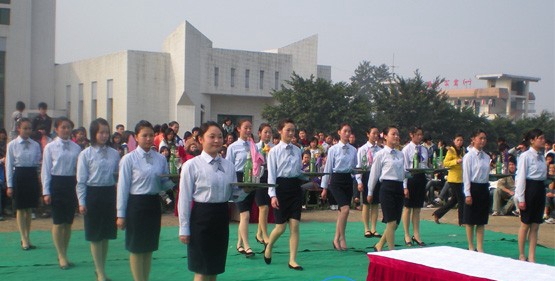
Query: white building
[188, 81]
[26, 54]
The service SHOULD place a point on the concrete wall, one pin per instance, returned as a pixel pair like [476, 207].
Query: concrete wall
[78, 104]
[29, 54]
[305, 56]
[232, 105]
[241, 61]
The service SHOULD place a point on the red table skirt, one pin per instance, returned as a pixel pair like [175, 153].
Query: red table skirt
[386, 269]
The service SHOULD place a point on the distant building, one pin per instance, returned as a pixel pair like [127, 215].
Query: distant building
[189, 81]
[27, 33]
[505, 95]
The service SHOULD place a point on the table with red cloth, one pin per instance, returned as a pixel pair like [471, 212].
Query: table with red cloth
[449, 263]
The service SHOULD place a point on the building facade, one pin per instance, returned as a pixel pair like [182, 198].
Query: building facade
[188, 81]
[505, 95]
[27, 33]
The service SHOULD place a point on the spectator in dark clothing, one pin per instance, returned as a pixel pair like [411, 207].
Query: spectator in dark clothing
[42, 120]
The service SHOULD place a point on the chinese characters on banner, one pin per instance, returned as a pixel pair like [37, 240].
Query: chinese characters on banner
[456, 83]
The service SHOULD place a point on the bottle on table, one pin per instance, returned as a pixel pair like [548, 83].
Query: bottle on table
[498, 165]
[247, 170]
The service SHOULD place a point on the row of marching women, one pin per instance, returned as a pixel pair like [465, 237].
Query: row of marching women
[125, 193]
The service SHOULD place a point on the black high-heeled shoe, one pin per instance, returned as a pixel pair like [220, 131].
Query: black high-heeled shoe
[249, 253]
[266, 260]
[408, 243]
[419, 243]
[298, 267]
[260, 241]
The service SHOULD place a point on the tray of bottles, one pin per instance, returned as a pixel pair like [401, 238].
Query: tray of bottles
[494, 177]
[361, 170]
[314, 174]
[254, 184]
[427, 170]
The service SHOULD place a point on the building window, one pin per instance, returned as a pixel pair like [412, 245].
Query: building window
[247, 78]
[232, 77]
[110, 102]
[80, 105]
[261, 79]
[93, 101]
[4, 16]
[276, 80]
[68, 104]
[216, 76]
[2, 85]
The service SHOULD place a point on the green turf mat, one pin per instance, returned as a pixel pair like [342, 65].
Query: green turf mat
[316, 255]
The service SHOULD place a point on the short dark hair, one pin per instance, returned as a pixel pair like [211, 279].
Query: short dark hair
[173, 123]
[141, 125]
[61, 120]
[20, 105]
[282, 123]
[43, 105]
[95, 127]
[532, 134]
[167, 132]
[306, 152]
[205, 126]
[21, 121]
[195, 129]
[119, 126]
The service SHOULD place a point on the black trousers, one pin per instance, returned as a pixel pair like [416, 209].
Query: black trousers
[456, 199]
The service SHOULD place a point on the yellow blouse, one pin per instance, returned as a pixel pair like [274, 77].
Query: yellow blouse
[455, 169]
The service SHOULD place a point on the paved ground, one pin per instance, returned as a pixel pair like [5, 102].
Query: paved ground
[505, 224]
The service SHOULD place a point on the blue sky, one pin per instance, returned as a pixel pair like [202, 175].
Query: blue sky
[451, 39]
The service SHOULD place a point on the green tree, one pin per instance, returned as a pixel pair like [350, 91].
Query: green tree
[368, 78]
[544, 122]
[317, 105]
[409, 102]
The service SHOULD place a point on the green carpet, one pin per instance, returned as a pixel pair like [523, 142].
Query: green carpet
[316, 255]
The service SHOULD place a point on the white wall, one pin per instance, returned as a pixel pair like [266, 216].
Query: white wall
[29, 54]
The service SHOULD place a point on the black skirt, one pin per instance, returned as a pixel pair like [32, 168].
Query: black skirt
[417, 191]
[26, 188]
[100, 219]
[143, 220]
[534, 196]
[375, 192]
[341, 186]
[391, 196]
[63, 198]
[262, 198]
[246, 204]
[207, 248]
[478, 212]
[289, 195]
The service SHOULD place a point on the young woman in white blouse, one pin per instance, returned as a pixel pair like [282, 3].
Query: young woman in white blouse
[138, 205]
[284, 169]
[59, 167]
[389, 171]
[203, 209]
[342, 159]
[530, 193]
[22, 159]
[96, 192]
[476, 190]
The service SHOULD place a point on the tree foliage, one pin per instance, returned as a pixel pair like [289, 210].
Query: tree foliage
[409, 102]
[374, 97]
[317, 105]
